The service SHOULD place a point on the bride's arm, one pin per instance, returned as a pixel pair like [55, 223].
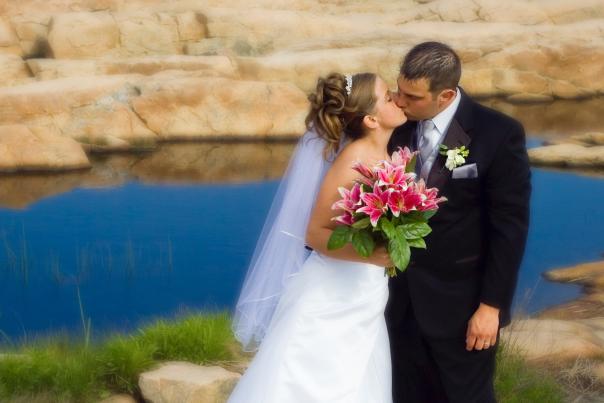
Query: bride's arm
[320, 225]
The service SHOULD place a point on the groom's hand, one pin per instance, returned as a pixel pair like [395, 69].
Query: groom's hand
[482, 328]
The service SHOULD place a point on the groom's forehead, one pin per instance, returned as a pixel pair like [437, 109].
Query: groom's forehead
[414, 87]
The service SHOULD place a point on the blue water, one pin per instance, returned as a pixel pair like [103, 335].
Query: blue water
[140, 251]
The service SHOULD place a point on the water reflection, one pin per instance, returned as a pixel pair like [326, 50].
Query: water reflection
[184, 163]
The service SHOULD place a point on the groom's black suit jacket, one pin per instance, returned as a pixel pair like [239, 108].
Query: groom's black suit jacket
[478, 235]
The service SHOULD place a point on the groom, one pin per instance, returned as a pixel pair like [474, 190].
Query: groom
[445, 311]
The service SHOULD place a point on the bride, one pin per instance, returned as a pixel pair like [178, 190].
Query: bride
[316, 319]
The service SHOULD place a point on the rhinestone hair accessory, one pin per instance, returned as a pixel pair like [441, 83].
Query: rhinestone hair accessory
[348, 84]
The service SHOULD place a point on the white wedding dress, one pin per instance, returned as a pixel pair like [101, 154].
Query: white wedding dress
[327, 341]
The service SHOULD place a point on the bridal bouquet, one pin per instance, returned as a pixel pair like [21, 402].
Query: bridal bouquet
[386, 206]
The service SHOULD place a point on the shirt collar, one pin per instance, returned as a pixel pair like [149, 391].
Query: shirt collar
[444, 118]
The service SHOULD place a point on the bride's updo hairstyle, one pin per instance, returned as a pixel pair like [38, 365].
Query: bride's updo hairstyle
[334, 112]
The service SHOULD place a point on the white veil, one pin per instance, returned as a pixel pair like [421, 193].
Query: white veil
[280, 250]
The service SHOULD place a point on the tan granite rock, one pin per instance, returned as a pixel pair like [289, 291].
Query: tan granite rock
[121, 398]
[591, 304]
[81, 35]
[144, 33]
[183, 382]
[32, 30]
[13, 71]
[9, 43]
[190, 107]
[303, 68]
[92, 111]
[583, 273]
[568, 155]
[175, 54]
[22, 149]
[552, 340]
[209, 66]
[593, 138]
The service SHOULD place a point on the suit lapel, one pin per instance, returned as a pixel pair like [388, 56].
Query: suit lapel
[456, 136]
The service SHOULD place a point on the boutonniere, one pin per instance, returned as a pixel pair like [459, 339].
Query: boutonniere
[455, 157]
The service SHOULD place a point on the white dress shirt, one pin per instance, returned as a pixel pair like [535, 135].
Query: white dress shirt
[442, 121]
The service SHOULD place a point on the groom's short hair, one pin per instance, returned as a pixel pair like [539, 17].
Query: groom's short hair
[434, 61]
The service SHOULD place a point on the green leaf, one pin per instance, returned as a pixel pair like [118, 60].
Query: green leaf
[414, 230]
[411, 164]
[339, 237]
[363, 223]
[400, 253]
[413, 217]
[387, 227]
[363, 243]
[417, 243]
[429, 214]
[396, 220]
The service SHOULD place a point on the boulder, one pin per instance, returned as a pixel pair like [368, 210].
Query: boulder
[593, 138]
[13, 71]
[92, 111]
[223, 69]
[198, 107]
[304, 68]
[584, 273]
[209, 66]
[220, 46]
[552, 340]
[183, 382]
[129, 111]
[144, 33]
[564, 12]
[9, 43]
[585, 307]
[568, 155]
[22, 149]
[559, 119]
[32, 30]
[121, 398]
[82, 35]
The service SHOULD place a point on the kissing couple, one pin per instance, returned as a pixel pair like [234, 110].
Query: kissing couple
[328, 325]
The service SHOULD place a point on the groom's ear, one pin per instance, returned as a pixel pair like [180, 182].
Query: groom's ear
[446, 96]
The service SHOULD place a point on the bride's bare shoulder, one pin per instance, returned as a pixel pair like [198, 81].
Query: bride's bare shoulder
[351, 153]
[341, 173]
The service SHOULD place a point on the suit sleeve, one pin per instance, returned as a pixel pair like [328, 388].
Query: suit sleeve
[508, 190]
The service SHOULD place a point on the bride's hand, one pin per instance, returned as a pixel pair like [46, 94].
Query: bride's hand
[380, 257]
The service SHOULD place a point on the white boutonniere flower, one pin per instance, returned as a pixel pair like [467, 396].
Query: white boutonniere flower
[455, 157]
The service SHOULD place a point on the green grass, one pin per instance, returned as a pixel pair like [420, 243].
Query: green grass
[60, 369]
[67, 370]
[515, 382]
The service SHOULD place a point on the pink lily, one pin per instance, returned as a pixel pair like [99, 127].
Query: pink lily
[363, 170]
[376, 204]
[347, 218]
[404, 200]
[350, 198]
[391, 175]
[402, 156]
[429, 199]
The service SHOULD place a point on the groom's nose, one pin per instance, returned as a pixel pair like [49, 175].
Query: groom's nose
[399, 100]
